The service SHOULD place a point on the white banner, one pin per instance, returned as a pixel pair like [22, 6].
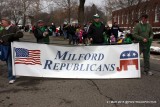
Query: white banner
[90, 62]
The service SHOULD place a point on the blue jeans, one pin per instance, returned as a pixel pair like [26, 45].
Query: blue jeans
[9, 66]
[65, 34]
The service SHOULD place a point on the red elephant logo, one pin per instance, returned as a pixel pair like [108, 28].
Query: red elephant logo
[128, 58]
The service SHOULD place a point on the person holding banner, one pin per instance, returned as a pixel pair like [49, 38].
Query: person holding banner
[144, 34]
[9, 34]
[96, 30]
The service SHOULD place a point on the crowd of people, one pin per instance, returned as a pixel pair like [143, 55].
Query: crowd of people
[94, 32]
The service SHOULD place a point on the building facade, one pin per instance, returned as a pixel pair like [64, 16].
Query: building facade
[129, 16]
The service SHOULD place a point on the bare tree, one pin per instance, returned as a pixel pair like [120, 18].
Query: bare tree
[129, 8]
[81, 11]
[17, 9]
[11, 10]
[3, 4]
[67, 5]
[25, 7]
[92, 10]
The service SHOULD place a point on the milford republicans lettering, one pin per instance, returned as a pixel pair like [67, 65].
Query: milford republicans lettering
[75, 66]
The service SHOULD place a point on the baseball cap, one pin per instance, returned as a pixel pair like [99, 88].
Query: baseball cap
[96, 16]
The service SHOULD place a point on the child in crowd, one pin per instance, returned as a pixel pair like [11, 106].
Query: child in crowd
[128, 38]
[112, 39]
[106, 38]
[120, 39]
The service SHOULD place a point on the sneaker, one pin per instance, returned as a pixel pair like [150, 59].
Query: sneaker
[17, 77]
[144, 73]
[11, 81]
[150, 73]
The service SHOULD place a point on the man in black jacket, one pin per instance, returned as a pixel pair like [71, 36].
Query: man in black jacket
[9, 34]
[114, 30]
[42, 33]
[95, 32]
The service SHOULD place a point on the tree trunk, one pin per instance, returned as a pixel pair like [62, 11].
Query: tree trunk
[24, 20]
[81, 12]
[69, 10]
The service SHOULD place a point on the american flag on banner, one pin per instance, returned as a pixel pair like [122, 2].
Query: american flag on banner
[28, 57]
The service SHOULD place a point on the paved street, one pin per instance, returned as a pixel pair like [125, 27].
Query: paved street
[44, 92]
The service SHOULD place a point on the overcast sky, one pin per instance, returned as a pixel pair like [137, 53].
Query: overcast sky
[97, 2]
[88, 2]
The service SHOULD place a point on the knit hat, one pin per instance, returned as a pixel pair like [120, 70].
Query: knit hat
[96, 16]
[40, 21]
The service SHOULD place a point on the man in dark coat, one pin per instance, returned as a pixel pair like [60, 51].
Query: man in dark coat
[9, 34]
[42, 33]
[96, 29]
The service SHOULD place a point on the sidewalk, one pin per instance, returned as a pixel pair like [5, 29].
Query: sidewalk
[156, 43]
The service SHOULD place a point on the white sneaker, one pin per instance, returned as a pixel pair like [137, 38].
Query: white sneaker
[17, 77]
[150, 73]
[11, 81]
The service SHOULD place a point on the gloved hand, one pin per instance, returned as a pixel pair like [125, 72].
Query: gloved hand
[45, 34]
[1, 41]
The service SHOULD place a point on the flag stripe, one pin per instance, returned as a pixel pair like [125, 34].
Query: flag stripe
[28, 57]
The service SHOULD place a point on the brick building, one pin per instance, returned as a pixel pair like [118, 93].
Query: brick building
[126, 17]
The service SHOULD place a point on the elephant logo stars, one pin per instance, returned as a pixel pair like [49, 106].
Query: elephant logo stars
[128, 58]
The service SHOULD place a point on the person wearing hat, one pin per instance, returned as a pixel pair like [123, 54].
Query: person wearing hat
[9, 34]
[41, 32]
[96, 29]
[53, 27]
[143, 33]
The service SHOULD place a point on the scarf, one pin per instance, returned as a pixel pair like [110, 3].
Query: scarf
[97, 24]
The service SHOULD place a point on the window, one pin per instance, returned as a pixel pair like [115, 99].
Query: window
[118, 19]
[122, 18]
[132, 15]
[115, 18]
[157, 13]
[127, 19]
